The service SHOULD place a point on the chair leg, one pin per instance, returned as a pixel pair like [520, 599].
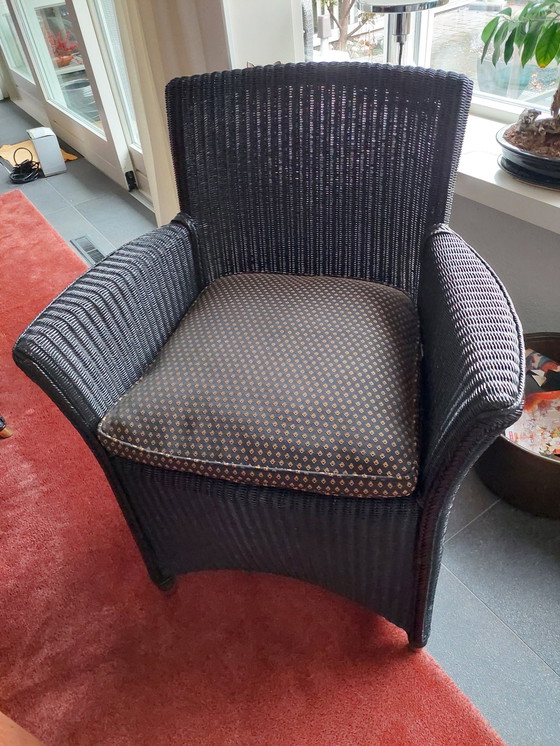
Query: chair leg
[415, 644]
[159, 577]
[5, 431]
[165, 583]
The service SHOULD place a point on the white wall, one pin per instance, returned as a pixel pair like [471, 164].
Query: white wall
[526, 258]
[186, 37]
[163, 40]
[263, 31]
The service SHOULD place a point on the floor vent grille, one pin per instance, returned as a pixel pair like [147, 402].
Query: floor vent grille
[87, 249]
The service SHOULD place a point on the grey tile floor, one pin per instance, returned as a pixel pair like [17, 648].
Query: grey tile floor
[496, 624]
[80, 202]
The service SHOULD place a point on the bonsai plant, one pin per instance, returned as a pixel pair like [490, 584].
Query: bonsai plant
[535, 32]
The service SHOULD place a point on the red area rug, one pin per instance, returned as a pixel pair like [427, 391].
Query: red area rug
[92, 654]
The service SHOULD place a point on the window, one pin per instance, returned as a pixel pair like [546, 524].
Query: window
[110, 30]
[55, 50]
[11, 45]
[447, 38]
[456, 45]
[342, 31]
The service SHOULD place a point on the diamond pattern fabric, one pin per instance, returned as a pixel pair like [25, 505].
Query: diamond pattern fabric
[300, 382]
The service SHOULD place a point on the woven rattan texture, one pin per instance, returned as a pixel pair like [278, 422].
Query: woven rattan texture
[308, 383]
[472, 364]
[266, 212]
[362, 549]
[473, 376]
[329, 168]
[99, 335]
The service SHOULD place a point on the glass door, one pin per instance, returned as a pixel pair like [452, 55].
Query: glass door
[65, 54]
[104, 13]
[11, 45]
[20, 82]
[60, 59]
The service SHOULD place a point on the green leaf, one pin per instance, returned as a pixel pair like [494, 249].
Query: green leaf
[508, 47]
[501, 34]
[485, 49]
[520, 34]
[548, 45]
[505, 12]
[537, 8]
[532, 10]
[530, 42]
[488, 30]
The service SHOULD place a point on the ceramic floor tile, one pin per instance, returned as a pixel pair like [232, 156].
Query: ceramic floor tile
[120, 218]
[511, 561]
[70, 224]
[471, 500]
[45, 198]
[12, 131]
[14, 124]
[512, 687]
[83, 182]
[6, 108]
[5, 184]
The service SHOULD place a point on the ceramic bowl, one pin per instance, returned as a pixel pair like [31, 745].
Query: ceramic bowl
[521, 477]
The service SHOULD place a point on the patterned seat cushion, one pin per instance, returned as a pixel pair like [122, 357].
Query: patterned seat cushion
[300, 382]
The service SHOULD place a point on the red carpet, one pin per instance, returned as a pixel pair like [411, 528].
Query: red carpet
[92, 654]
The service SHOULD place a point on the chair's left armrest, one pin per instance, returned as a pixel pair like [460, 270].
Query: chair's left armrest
[473, 367]
[99, 335]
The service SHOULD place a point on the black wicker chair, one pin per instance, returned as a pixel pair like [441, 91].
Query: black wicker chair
[330, 180]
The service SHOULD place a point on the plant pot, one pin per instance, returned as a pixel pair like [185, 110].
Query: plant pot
[535, 169]
[80, 99]
[64, 60]
[521, 477]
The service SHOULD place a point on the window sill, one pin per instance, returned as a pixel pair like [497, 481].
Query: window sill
[481, 180]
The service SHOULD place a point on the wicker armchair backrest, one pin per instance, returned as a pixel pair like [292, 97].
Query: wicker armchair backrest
[317, 168]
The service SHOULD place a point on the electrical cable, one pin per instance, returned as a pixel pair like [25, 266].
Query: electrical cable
[27, 170]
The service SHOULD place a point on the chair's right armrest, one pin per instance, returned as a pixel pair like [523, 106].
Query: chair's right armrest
[472, 386]
[473, 366]
[99, 335]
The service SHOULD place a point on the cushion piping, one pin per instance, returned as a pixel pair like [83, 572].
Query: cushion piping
[186, 459]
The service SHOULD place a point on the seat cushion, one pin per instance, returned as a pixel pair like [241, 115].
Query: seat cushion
[299, 382]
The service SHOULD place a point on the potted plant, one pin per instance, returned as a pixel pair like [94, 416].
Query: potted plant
[62, 48]
[531, 146]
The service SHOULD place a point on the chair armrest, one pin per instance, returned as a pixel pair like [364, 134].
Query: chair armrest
[473, 366]
[99, 335]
